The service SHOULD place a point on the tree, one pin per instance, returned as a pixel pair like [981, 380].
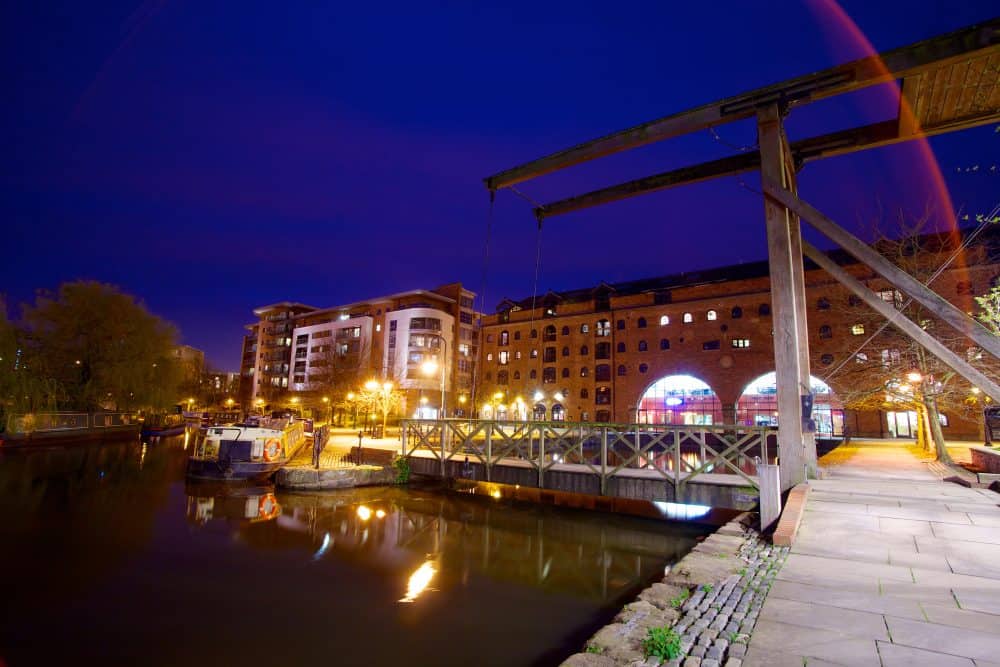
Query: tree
[891, 371]
[989, 309]
[100, 348]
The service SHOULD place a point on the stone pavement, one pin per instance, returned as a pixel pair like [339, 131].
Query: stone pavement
[892, 566]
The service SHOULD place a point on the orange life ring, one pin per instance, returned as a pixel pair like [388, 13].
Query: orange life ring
[268, 507]
[272, 449]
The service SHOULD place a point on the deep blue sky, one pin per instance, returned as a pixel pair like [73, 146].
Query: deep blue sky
[214, 156]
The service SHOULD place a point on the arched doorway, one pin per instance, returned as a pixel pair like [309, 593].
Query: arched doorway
[758, 405]
[538, 412]
[679, 399]
[558, 413]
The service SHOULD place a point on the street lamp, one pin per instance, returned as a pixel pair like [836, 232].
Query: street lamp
[430, 367]
[326, 402]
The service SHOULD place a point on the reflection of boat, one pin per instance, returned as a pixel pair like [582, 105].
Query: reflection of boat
[159, 426]
[213, 500]
[244, 451]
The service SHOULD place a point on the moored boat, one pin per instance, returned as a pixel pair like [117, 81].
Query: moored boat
[245, 451]
[161, 426]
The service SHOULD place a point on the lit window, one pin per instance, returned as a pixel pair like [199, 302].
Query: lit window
[688, 318]
[534, 354]
[504, 337]
[489, 356]
[603, 328]
[584, 328]
[858, 330]
[664, 320]
[741, 343]
[504, 357]
[517, 355]
[711, 315]
[861, 358]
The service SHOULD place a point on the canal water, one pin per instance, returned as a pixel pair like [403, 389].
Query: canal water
[109, 556]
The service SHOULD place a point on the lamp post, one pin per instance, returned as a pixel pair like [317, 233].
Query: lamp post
[329, 409]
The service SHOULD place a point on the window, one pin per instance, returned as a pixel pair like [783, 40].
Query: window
[736, 313]
[502, 377]
[534, 354]
[764, 310]
[584, 350]
[826, 359]
[823, 303]
[890, 357]
[603, 328]
[430, 323]
[641, 323]
[489, 376]
[664, 343]
[602, 373]
[602, 351]
[533, 375]
[620, 347]
[517, 375]
[825, 331]
[504, 357]
[620, 325]
[565, 331]
[534, 333]
[603, 397]
[489, 356]
[392, 325]
[584, 328]
[304, 338]
[664, 320]
[489, 338]
[550, 333]
[853, 300]
[895, 298]
[504, 338]
[621, 370]
[710, 345]
[584, 393]
[861, 358]
[660, 298]
[548, 375]
[565, 372]
[565, 351]
[741, 343]
[711, 315]
[643, 368]
[517, 335]
[550, 355]
[687, 318]
[517, 354]
[465, 318]
[642, 346]
[858, 329]
[603, 416]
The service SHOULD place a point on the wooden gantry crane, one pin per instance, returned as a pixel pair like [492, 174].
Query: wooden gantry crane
[948, 83]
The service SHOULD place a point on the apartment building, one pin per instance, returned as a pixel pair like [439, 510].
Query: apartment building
[697, 347]
[298, 350]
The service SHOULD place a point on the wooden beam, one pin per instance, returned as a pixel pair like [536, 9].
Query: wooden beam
[903, 323]
[899, 63]
[896, 276]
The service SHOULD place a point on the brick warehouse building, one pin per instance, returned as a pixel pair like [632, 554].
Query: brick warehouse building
[602, 353]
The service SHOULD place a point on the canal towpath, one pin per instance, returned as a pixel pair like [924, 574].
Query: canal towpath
[891, 566]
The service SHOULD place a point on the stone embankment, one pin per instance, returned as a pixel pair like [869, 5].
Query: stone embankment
[709, 600]
[304, 478]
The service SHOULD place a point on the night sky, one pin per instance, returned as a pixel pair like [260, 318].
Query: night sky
[210, 157]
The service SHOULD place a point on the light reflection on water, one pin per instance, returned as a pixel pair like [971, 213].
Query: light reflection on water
[140, 567]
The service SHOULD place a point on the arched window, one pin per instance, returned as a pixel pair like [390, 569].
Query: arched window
[642, 346]
[764, 309]
[621, 370]
[641, 323]
[534, 353]
[603, 328]
[584, 350]
[549, 374]
[584, 328]
[565, 351]
[550, 333]
[736, 313]
[602, 373]
[823, 303]
[643, 368]
[688, 318]
[603, 397]
[621, 324]
[664, 343]
[517, 335]
[489, 376]
[584, 393]
[502, 377]
[584, 372]
[565, 331]
[504, 337]
[565, 372]
[826, 359]
[711, 315]
[549, 355]
[532, 375]
[664, 320]
[825, 331]
[534, 333]
[621, 346]
[602, 351]
[517, 375]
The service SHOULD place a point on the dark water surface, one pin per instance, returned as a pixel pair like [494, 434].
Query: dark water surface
[109, 557]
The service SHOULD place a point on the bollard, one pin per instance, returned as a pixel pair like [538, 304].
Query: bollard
[770, 494]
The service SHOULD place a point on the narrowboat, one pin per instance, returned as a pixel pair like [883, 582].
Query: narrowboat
[245, 451]
[160, 426]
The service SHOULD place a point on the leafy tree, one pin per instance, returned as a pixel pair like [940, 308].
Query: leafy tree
[101, 348]
[989, 309]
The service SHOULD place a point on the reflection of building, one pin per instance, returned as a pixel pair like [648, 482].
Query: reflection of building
[693, 348]
[301, 349]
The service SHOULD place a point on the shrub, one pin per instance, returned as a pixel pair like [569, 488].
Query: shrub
[402, 466]
[663, 643]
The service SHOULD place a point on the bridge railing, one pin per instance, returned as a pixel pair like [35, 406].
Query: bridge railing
[675, 453]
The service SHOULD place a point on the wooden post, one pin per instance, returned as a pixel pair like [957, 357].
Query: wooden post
[768, 477]
[489, 453]
[604, 460]
[787, 312]
[541, 457]
[441, 437]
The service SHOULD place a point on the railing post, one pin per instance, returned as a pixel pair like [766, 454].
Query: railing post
[677, 466]
[441, 438]
[489, 453]
[604, 460]
[403, 433]
[541, 457]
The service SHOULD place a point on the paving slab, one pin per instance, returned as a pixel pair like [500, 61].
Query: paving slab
[825, 644]
[950, 531]
[910, 558]
[985, 519]
[847, 599]
[921, 514]
[977, 599]
[904, 526]
[945, 639]
[894, 655]
[949, 614]
[849, 622]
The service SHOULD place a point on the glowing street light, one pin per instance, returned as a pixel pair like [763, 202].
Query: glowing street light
[914, 377]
